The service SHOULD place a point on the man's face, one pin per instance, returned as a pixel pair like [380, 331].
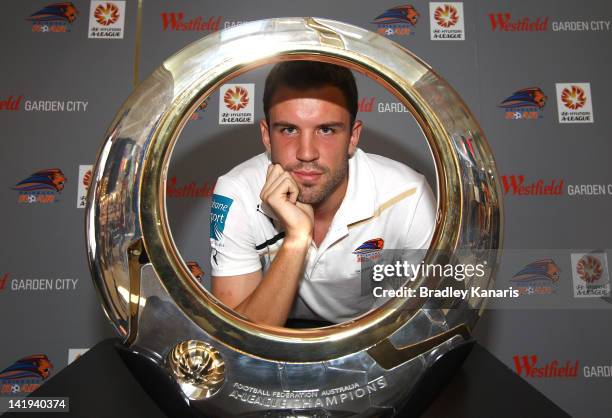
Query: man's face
[310, 136]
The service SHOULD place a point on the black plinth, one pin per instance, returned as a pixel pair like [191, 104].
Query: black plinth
[100, 385]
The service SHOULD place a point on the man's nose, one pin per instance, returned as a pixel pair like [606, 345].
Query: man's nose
[307, 147]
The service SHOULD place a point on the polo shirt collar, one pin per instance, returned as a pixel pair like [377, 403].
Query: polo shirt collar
[360, 199]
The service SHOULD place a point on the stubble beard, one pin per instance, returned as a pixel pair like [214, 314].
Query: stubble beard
[316, 194]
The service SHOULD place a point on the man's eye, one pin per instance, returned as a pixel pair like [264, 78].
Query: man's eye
[325, 130]
[289, 130]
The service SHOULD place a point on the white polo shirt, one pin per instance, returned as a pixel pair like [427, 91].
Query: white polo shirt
[387, 206]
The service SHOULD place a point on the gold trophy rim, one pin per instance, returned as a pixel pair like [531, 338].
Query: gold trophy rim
[221, 322]
[131, 216]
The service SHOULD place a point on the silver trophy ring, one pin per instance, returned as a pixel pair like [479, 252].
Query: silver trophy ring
[215, 355]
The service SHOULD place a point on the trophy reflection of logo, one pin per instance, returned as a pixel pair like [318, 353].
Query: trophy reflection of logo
[214, 360]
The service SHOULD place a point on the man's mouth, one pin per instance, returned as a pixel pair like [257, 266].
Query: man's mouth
[307, 175]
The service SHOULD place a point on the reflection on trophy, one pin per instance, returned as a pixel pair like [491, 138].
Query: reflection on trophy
[222, 354]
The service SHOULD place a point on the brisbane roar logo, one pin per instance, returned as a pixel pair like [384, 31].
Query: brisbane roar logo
[236, 98]
[446, 16]
[26, 374]
[53, 18]
[106, 14]
[202, 106]
[197, 113]
[538, 277]
[195, 269]
[49, 179]
[37, 366]
[369, 250]
[57, 12]
[526, 103]
[41, 186]
[529, 97]
[573, 98]
[397, 21]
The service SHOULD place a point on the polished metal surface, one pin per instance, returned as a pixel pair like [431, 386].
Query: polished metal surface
[128, 233]
[198, 368]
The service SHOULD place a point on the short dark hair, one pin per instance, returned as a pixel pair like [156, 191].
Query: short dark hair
[304, 75]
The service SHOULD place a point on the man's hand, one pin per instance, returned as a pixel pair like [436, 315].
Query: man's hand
[280, 193]
[267, 298]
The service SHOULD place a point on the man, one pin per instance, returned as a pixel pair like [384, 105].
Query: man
[291, 228]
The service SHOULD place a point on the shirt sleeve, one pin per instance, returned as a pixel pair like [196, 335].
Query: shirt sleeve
[231, 234]
[423, 222]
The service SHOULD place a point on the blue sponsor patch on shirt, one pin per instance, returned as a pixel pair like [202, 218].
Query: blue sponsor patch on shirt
[219, 209]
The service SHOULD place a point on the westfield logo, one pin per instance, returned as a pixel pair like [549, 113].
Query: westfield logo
[189, 190]
[366, 104]
[12, 103]
[516, 186]
[504, 23]
[528, 366]
[3, 281]
[175, 22]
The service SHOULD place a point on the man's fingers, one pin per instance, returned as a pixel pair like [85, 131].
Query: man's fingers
[274, 172]
[286, 187]
[273, 182]
[280, 193]
[278, 180]
[271, 185]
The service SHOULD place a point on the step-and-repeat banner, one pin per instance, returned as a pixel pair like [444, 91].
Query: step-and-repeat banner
[536, 75]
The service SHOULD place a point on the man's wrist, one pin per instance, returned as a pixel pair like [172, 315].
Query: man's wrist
[297, 240]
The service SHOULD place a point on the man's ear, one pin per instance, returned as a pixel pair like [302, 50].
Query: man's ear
[265, 134]
[355, 134]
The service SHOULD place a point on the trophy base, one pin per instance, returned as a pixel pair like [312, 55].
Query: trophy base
[110, 380]
[165, 391]
[435, 379]
[156, 381]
